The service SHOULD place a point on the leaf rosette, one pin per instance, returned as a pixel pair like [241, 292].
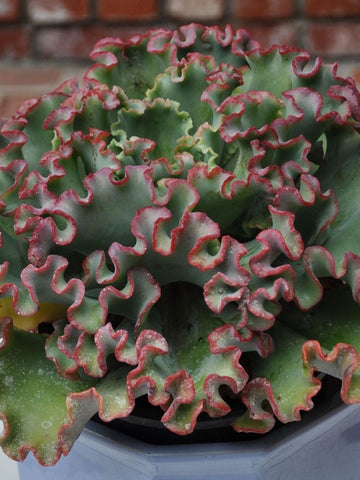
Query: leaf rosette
[181, 223]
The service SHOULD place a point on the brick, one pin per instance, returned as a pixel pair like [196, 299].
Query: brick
[58, 11]
[332, 8]
[67, 43]
[77, 42]
[10, 103]
[270, 9]
[19, 83]
[355, 74]
[195, 10]
[126, 9]
[15, 43]
[334, 39]
[350, 69]
[28, 76]
[281, 34]
[9, 10]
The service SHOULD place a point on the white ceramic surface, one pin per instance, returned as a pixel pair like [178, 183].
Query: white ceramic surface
[8, 468]
[325, 448]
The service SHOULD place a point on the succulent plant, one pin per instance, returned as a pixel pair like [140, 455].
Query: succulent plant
[182, 223]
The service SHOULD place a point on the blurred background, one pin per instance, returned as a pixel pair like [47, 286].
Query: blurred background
[43, 42]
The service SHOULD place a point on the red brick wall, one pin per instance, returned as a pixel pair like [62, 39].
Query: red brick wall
[66, 29]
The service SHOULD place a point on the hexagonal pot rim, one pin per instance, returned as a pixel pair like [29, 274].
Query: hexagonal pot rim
[325, 444]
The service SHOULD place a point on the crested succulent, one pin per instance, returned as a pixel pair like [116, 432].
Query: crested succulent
[181, 223]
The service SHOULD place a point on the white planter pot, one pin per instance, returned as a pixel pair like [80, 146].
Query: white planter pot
[325, 447]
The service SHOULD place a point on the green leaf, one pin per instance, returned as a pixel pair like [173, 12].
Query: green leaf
[268, 71]
[336, 319]
[32, 397]
[133, 68]
[343, 177]
[335, 324]
[292, 386]
[191, 372]
[39, 140]
[154, 120]
[175, 84]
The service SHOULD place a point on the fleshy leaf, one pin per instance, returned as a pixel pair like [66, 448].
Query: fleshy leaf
[334, 329]
[194, 373]
[343, 233]
[45, 392]
[281, 388]
[175, 83]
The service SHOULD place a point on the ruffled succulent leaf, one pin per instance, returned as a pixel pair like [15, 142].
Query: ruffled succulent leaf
[175, 83]
[118, 63]
[342, 234]
[282, 387]
[44, 392]
[135, 121]
[183, 374]
[333, 327]
[285, 381]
